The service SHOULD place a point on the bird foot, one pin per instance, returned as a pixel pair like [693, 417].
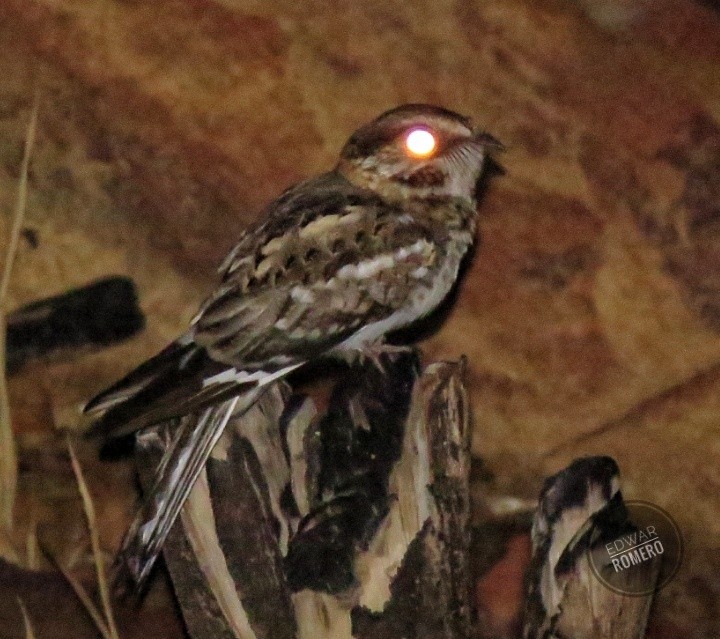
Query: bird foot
[374, 351]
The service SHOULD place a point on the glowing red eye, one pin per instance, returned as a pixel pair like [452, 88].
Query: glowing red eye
[420, 143]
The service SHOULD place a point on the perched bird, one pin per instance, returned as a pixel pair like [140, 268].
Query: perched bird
[338, 262]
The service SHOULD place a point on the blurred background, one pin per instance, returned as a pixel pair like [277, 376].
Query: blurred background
[590, 315]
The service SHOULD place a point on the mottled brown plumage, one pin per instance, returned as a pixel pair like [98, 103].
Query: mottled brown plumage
[338, 262]
[292, 294]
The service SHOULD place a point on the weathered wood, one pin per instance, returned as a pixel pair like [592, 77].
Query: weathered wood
[95, 315]
[366, 508]
[246, 475]
[223, 555]
[430, 593]
[580, 508]
[355, 523]
[163, 133]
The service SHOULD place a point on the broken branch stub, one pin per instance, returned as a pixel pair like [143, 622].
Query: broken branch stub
[581, 509]
[93, 316]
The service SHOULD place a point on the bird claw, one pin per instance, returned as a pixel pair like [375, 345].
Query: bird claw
[374, 351]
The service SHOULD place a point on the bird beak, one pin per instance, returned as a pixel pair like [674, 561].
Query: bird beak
[488, 142]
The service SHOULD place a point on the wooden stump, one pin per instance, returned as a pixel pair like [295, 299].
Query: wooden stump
[351, 523]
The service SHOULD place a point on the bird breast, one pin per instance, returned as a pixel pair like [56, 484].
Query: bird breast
[430, 289]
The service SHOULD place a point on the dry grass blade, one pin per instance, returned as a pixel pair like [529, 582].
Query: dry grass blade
[95, 543]
[7, 548]
[20, 203]
[29, 634]
[8, 454]
[85, 599]
[32, 554]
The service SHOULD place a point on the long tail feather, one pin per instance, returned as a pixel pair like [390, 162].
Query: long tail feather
[183, 459]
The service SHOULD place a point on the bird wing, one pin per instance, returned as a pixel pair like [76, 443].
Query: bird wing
[329, 259]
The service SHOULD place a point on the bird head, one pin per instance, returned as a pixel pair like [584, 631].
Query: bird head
[417, 150]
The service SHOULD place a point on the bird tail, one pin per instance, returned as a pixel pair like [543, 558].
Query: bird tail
[180, 382]
[185, 452]
[177, 381]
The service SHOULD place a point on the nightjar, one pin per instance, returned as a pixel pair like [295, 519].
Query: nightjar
[337, 262]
